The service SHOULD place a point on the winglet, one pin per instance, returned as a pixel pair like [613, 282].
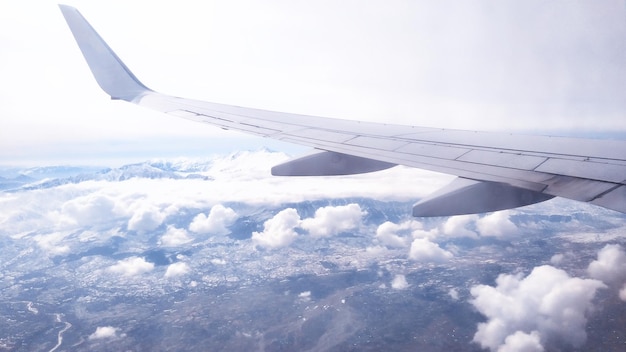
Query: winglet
[110, 72]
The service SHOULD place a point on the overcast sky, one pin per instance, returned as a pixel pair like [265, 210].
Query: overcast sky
[535, 66]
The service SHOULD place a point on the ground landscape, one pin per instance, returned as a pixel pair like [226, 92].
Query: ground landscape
[216, 254]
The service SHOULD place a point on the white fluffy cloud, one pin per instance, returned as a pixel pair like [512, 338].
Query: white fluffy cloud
[557, 259]
[175, 237]
[176, 269]
[278, 231]
[397, 235]
[90, 209]
[146, 218]
[548, 303]
[52, 243]
[522, 342]
[456, 226]
[423, 250]
[104, 332]
[497, 224]
[454, 294]
[216, 222]
[399, 282]
[329, 221]
[610, 267]
[131, 266]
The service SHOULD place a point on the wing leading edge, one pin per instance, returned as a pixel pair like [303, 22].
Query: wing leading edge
[496, 170]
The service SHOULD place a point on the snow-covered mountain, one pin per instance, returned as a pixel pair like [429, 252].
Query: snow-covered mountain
[52, 176]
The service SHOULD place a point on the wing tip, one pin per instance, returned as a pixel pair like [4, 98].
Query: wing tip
[112, 75]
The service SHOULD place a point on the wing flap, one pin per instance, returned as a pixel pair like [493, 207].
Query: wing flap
[614, 199]
[584, 169]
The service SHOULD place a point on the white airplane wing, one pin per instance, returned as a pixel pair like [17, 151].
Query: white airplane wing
[495, 170]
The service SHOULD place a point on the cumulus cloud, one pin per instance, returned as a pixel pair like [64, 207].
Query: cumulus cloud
[278, 231]
[90, 209]
[176, 269]
[622, 293]
[397, 235]
[456, 226]
[557, 259]
[175, 237]
[52, 243]
[423, 250]
[132, 266]
[497, 224]
[522, 342]
[216, 222]
[104, 332]
[547, 304]
[610, 267]
[218, 261]
[329, 221]
[146, 218]
[399, 282]
[454, 294]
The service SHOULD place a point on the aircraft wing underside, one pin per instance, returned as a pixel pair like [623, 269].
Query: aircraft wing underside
[496, 170]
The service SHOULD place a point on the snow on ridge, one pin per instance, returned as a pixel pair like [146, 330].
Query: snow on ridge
[175, 168]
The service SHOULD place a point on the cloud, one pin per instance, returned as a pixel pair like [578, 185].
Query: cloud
[51, 243]
[329, 221]
[278, 231]
[218, 261]
[454, 294]
[131, 266]
[216, 222]
[176, 269]
[522, 342]
[456, 226]
[610, 267]
[497, 225]
[90, 209]
[175, 237]
[422, 250]
[146, 218]
[104, 332]
[622, 293]
[548, 301]
[396, 235]
[399, 282]
[557, 259]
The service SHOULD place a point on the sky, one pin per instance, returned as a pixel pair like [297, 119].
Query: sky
[554, 67]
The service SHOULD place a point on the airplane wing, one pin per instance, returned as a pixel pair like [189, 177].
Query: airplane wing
[495, 170]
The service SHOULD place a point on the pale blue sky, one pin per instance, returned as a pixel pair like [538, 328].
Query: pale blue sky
[507, 65]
